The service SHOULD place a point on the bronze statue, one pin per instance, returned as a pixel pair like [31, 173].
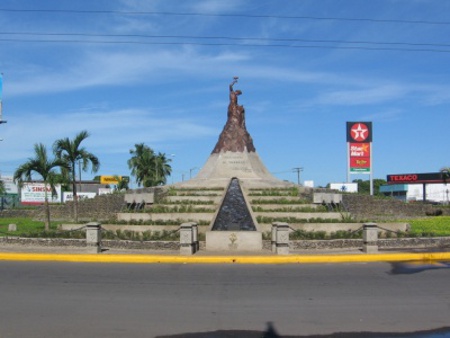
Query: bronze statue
[234, 94]
[234, 136]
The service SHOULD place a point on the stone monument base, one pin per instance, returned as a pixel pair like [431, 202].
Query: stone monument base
[233, 241]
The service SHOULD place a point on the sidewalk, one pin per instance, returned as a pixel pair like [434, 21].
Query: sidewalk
[80, 254]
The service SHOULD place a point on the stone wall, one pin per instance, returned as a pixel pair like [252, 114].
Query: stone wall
[101, 208]
[438, 243]
[369, 208]
[10, 213]
[442, 243]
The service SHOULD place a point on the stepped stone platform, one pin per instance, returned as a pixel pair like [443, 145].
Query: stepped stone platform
[258, 199]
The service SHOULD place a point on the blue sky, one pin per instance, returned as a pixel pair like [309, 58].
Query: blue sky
[137, 71]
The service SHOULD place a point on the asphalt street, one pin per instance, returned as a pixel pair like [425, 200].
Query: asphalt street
[60, 299]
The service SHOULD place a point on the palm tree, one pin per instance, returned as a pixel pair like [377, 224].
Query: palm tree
[142, 165]
[148, 168]
[71, 152]
[162, 168]
[122, 182]
[43, 166]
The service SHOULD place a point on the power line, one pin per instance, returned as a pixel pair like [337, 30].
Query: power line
[229, 38]
[366, 48]
[262, 16]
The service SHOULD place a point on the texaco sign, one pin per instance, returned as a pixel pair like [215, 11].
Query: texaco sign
[359, 142]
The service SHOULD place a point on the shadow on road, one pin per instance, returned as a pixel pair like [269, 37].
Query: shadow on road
[271, 332]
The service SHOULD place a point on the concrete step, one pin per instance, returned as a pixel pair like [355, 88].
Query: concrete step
[176, 207]
[195, 199]
[286, 207]
[198, 193]
[295, 200]
[333, 227]
[181, 217]
[300, 215]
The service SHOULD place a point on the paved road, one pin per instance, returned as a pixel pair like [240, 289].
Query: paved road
[45, 299]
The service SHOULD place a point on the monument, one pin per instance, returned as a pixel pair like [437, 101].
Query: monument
[234, 165]
[234, 155]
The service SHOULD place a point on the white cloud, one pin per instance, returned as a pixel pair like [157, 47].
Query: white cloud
[372, 95]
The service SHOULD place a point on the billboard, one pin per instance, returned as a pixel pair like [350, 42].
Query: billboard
[109, 179]
[360, 157]
[359, 132]
[437, 177]
[359, 143]
[344, 187]
[10, 186]
[34, 193]
[68, 196]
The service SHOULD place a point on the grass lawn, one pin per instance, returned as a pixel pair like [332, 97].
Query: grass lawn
[24, 224]
[427, 227]
[439, 226]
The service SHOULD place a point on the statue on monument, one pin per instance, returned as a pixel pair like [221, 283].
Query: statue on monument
[235, 111]
[235, 136]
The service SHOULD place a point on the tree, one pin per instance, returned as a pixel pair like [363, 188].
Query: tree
[148, 168]
[2, 188]
[364, 186]
[45, 167]
[162, 168]
[122, 182]
[72, 153]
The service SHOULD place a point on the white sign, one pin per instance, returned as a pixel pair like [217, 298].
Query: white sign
[34, 193]
[344, 187]
[10, 186]
[68, 196]
[105, 191]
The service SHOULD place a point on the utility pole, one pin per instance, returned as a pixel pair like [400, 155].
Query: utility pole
[298, 170]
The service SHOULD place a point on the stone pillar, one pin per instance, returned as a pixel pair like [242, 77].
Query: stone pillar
[370, 238]
[93, 237]
[187, 239]
[12, 227]
[274, 237]
[195, 237]
[282, 238]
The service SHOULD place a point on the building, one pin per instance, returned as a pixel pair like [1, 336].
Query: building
[427, 187]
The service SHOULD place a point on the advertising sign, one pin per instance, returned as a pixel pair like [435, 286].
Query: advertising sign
[105, 179]
[359, 143]
[68, 196]
[360, 157]
[359, 132]
[34, 193]
[10, 186]
[346, 187]
[415, 178]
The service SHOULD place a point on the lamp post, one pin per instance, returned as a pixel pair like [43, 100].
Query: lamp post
[191, 170]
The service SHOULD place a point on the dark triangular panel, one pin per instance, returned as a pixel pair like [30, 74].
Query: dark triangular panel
[233, 214]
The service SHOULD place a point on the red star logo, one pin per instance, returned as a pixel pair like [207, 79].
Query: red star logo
[359, 132]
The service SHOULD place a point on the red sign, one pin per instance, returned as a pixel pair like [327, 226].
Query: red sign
[359, 132]
[360, 156]
[360, 164]
[359, 142]
[359, 149]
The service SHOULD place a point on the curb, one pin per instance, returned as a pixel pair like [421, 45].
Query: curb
[155, 259]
